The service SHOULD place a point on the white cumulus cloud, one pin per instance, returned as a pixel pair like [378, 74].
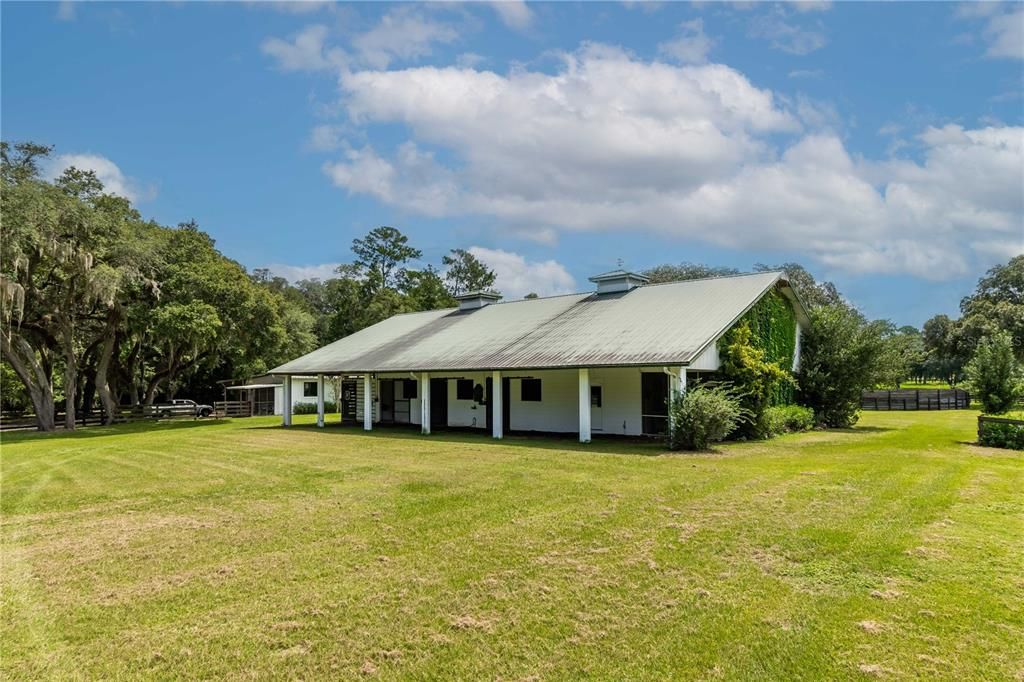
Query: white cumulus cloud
[513, 13]
[516, 276]
[296, 273]
[1002, 27]
[402, 34]
[113, 179]
[691, 46]
[305, 51]
[786, 35]
[610, 142]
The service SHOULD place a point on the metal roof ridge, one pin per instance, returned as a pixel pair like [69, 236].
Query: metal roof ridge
[707, 279]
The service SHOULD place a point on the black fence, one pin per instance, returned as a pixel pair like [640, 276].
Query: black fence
[96, 418]
[916, 399]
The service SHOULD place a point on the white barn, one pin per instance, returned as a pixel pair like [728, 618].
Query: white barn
[603, 362]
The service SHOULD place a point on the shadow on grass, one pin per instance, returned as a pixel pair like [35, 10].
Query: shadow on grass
[607, 444]
[860, 429]
[153, 426]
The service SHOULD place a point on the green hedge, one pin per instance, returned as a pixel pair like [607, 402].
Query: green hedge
[1001, 434]
[787, 419]
[310, 408]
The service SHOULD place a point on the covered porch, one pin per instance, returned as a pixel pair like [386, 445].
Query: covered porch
[588, 401]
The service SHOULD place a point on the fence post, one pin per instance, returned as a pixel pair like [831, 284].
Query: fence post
[938, 397]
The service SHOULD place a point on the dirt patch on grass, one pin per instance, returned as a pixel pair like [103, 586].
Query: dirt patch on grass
[872, 626]
[873, 669]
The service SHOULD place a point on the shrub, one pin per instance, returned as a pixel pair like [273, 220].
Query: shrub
[756, 378]
[787, 419]
[704, 415]
[1001, 434]
[841, 355]
[993, 374]
[310, 408]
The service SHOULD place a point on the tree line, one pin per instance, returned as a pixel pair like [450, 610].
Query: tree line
[844, 353]
[99, 307]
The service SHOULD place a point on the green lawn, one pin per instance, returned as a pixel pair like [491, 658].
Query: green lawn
[243, 550]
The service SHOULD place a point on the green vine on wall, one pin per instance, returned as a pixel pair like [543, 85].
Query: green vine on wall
[772, 324]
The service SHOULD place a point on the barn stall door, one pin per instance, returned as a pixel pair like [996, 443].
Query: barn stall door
[596, 409]
[654, 402]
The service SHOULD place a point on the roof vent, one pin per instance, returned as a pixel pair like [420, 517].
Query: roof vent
[471, 300]
[617, 281]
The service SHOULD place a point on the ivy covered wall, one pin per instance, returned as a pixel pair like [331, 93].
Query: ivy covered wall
[773, 329]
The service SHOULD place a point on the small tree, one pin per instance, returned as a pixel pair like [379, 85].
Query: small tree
[993, 373]
[465, 272]
[755, 378]
[703, 415]
[841, 355]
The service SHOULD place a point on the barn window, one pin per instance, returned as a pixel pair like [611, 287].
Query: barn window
[308, 389]
[530, 391]
[409, 389]
[464, 389]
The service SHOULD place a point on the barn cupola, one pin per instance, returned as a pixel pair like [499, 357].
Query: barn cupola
[618, 281]
[471, 300]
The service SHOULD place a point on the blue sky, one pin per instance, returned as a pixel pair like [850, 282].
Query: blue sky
[879, 144]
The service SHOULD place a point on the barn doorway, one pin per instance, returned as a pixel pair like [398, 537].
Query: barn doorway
[654, 403]
[438, 403]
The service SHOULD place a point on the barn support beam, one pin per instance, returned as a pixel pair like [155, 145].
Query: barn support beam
[425, 403]
[367, 402]
[286, 398]
[497, 413]
[584, 405]
[676, 385]
[320, 400]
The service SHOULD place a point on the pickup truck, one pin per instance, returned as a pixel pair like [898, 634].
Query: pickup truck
[184, 406]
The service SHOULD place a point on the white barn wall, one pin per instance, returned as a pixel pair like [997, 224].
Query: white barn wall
[467, 413]
[297, 396]
[708, 360]
[558, 410]
[620, 393]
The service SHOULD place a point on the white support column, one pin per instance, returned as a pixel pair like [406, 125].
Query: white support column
[367, 402]
[320, 400]
[425, 403]
[497, 414]
[286, 408]
[676, 384]
[584, 405]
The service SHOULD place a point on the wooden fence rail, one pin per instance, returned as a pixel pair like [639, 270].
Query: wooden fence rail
[233, 408]
[96, 418]
[916, 399]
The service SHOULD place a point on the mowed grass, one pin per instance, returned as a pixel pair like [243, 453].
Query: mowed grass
[240, 549]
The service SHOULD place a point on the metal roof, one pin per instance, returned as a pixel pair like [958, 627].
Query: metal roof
[660, 324]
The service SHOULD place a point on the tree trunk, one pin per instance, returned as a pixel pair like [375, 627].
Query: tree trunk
[22, 358]
[154, 385]
[110, 409]
[70, 377]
